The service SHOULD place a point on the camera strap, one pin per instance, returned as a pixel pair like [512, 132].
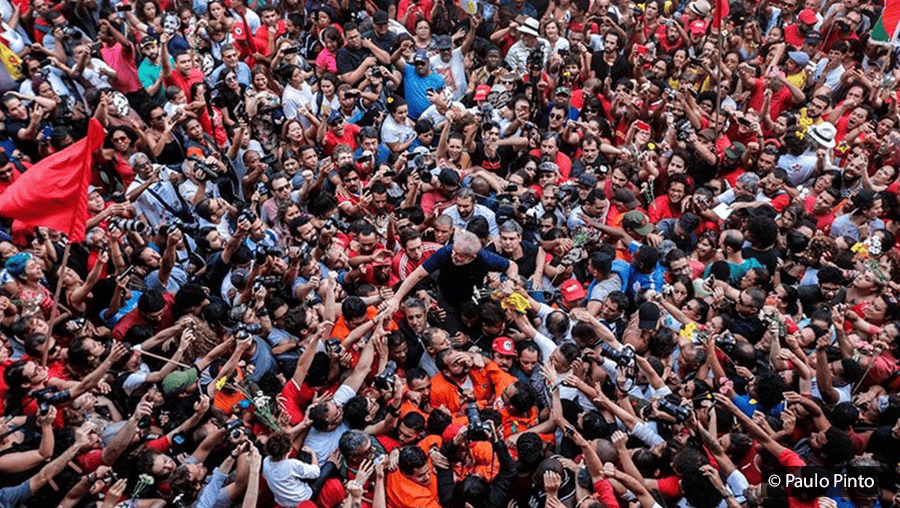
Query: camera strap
[180, 214]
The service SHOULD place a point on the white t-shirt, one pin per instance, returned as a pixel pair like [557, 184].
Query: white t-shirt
[392, 132]
[292, 99]
[453, 72]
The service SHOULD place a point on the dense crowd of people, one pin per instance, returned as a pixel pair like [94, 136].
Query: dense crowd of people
[533, 253]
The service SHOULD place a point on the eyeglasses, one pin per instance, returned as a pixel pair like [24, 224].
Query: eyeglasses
[120, 139]
[283, 187]
[508, 82]
[556, 116]
[230, 78]
[159, 117]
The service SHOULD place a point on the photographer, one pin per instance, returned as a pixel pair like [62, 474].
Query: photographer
[474, 490]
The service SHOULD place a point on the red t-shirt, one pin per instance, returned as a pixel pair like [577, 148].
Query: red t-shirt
[184, 82]
[348, 138]
[136, 318]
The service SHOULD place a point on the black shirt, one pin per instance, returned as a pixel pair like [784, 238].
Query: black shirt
[457, 282]
[602, 70]
[386, 43]
[527, 263]
[348, 60]
[28, 146]
[767, 258]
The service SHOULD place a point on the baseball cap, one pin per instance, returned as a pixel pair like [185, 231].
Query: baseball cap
[799, 57]
[239, 278]
[548, 167]
[380, 18]
[638, 222]
[698, 26]
[813, 37]
[808, 16]
[482, 92]
[449, 177]
[420, 57]
[563, 90]
[572, 291]
[504, 346]
[335, 117]
[443, 42]
[735, 150]
[179, 381]
[708, 134]
[587, 179]
[149, 39]
[450, 432]
[648, 316]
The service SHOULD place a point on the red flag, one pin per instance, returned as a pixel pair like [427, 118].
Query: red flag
[53, 193]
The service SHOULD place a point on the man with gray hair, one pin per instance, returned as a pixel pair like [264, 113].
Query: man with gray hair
[747, 187]
[156, 199]
[526, 255]
[463, 266]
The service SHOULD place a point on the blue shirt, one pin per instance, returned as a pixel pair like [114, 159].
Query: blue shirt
[415, 86]
[381, 154]
[748, 406]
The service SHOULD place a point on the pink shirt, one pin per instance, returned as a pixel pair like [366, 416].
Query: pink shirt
[121, 59]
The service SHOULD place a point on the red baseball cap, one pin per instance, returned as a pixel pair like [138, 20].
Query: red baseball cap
[482, 92]
[572, 291]
[450, 432]
[504, 346]
[697, 27]
[808, 16]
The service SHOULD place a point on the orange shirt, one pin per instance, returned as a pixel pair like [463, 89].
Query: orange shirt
[487, 383]
[341, 330]
[405, 493]
[516, 424]
[481, 461]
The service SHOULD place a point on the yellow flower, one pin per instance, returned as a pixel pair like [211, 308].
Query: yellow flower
[221, 382]
[688, 331]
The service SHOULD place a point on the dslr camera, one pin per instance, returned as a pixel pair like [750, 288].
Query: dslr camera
[478, 430]
[622, 357]
[680, 413]
[385, 379]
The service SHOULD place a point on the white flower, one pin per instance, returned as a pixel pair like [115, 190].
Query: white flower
[874, 244]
